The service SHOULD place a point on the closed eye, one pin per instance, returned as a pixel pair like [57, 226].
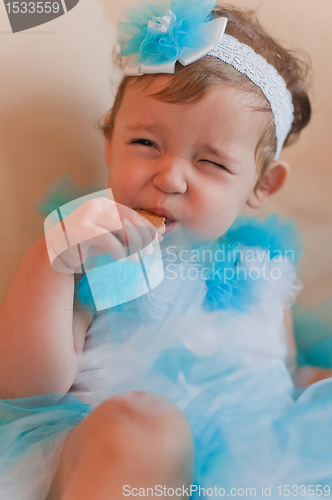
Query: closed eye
[146, 142]
[217, 165]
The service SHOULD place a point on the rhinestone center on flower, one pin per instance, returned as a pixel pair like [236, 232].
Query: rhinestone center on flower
[163, 24]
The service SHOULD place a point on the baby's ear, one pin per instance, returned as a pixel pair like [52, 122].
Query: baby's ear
[272, 180]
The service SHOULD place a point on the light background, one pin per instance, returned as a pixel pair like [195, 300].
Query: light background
[57, 80]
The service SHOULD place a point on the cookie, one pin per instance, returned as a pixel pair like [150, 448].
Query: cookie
[156, 220]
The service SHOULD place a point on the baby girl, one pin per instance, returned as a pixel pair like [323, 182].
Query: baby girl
[207, 102]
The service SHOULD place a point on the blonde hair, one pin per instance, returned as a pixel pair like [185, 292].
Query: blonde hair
[191, 83]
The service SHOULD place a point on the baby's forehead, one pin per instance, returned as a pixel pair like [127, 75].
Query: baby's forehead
[147, 97]
[160, 88]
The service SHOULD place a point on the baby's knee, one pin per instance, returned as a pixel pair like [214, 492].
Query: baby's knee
[141, 426]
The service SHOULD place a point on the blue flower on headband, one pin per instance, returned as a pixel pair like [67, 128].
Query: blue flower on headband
[156, 36]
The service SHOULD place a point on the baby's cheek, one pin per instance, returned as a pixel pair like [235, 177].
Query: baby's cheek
[120, 185]
[213, 219]
[206, 224]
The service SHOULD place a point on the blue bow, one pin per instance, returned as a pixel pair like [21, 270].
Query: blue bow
[156, 36]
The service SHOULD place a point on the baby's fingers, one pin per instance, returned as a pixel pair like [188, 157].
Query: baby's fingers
[106, 244]
[147, 231]
[147, 235]
[130, 236]
[119, 244]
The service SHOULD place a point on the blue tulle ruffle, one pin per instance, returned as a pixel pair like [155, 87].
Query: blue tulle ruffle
[155, 47]
[275, 235]
[27, 424]
[313, 334]
[62, 192]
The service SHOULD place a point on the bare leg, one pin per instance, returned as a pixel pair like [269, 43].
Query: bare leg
[136, 439]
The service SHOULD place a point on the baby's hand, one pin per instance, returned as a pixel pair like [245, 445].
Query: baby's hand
[98, 226]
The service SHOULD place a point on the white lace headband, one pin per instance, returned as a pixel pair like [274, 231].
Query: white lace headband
[259, 71]
[151, 44]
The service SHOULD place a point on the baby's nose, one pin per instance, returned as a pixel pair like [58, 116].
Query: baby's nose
[171, 176]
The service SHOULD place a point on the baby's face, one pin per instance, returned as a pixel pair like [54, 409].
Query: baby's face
[194, 163]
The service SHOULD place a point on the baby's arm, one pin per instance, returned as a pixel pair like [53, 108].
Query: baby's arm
[37, 354]
[303, 375]
[82, 320]
[41, 332]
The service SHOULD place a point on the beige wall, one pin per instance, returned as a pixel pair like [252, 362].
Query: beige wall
[55, 85]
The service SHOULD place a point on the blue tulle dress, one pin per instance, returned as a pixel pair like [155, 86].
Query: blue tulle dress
[213, 342]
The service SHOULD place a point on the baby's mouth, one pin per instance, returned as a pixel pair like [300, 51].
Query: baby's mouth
[169, 225]
[159, 221]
